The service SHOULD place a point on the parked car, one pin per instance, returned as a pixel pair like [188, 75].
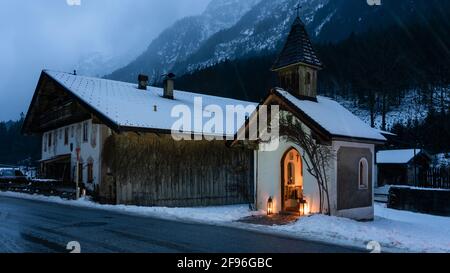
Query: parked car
[9, 175]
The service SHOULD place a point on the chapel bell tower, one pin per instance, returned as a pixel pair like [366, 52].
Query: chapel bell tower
[297, 64]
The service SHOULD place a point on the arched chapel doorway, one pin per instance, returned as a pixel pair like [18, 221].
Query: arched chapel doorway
[291, 181]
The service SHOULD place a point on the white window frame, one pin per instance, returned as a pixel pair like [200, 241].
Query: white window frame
[365, 183]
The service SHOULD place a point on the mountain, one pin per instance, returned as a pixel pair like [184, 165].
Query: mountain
[97, 64]
[236, 29]
[184, 38]
[16, 148]
[376, 69]
[342, 17]
[263, 29]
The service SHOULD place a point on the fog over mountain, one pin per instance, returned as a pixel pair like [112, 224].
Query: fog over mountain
[96, 38]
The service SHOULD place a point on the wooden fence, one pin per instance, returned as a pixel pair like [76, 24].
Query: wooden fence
[436, 178]
[436, 202]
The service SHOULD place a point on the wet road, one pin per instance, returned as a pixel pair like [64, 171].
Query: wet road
[33, 226]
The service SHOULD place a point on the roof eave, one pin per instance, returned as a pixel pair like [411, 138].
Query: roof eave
[25, 130]
[276, 68]
[107, 121]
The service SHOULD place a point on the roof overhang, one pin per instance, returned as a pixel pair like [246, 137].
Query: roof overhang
[95, 114]
[59, 158]
[44, 78]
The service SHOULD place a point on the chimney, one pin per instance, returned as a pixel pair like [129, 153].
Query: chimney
[142, 82]
[169, 82]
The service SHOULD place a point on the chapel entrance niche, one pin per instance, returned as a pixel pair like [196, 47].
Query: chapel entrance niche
[292, 181]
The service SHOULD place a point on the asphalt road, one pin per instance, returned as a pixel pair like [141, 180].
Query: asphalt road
[33, 226]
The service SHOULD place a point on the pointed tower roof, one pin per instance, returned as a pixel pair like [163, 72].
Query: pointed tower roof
[298, 48]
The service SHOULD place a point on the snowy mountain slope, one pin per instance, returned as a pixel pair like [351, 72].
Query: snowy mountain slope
[236, 29]
[342, 17]
[183, 38]
[412, 107]
[261, 30]
[264, 28]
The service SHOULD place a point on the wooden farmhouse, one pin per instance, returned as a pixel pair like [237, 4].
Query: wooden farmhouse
[121, 136]
[403, 167]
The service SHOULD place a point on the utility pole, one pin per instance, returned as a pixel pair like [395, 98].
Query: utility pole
[415, 169]
[77, 177]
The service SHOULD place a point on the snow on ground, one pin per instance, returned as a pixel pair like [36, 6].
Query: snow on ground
[418, 188]
[383, 190]
[201, 214]
[395, 230]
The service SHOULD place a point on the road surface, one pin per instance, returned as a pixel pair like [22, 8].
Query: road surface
[34, 226]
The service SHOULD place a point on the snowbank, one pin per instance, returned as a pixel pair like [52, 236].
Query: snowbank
[393, 229]
[382, 190]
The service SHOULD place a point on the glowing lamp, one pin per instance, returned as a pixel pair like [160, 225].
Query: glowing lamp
[304, 207]
[270, 206]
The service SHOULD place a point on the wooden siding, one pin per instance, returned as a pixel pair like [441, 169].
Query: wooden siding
[152, 170]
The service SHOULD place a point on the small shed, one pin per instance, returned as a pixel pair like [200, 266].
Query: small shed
[402, 167]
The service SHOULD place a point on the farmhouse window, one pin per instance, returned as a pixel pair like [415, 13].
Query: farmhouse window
[80, 172]
[85, 132]
[49, 139]
[66, 136]
[45, 142]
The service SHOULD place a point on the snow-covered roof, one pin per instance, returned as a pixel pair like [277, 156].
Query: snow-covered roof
[396, 156]
[127, 106]
[333, 117]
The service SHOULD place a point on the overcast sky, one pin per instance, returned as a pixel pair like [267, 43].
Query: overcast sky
[50, 34]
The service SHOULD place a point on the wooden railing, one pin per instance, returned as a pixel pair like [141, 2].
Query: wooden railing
[436, 178]
[55, 115]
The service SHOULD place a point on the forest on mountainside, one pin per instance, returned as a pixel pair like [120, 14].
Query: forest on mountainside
[16, 148]
[377, 68]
